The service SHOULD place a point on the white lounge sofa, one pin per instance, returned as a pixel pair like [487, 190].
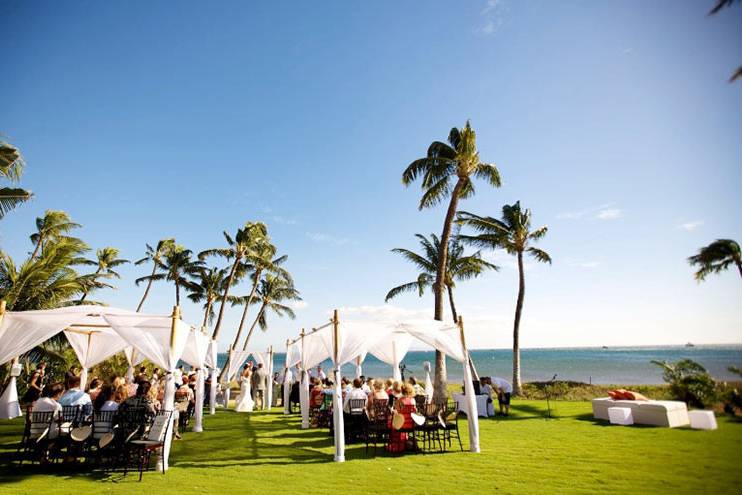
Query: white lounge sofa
[653, 412]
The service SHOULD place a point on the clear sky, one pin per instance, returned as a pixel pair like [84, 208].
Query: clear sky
[612, 121]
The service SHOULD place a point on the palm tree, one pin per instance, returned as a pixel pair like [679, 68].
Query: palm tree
[716, 257]
[237, 250]
[52, 226]
[445, 163]
[153, 255]
[11, 169]
[513, 233]
[272, 292]
[459, 267]
[207, 286]
[107, 260]
[47, 281]
[177, 265]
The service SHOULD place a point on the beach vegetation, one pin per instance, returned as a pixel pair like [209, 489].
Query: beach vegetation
[716, 258]
[689, 382]
[11, 169]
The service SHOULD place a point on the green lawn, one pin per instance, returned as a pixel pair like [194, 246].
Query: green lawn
[268, 453]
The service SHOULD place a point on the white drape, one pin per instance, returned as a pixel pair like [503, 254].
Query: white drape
[9, 405]
[93, 346]
[194, 354]
[286, 390]
[210, 362]
[304, 399]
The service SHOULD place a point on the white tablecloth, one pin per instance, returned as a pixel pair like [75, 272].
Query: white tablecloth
[484, 408]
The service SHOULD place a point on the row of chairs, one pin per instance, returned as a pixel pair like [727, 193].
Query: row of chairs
[108, 440]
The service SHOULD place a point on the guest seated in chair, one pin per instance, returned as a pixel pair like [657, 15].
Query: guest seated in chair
[48, 403]
[404, 406]
[76, 397]
[378, 394]
[356, 393]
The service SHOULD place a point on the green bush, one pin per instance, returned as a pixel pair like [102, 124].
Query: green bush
[689, 382]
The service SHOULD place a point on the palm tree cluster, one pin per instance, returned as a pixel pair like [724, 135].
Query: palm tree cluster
[716, 258]
[250, 257]
[447, 171]
[11, 169]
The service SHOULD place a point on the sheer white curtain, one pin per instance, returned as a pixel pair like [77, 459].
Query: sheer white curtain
[194, 354]
[93, 346]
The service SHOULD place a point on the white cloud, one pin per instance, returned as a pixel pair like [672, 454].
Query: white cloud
[493, 16]
[298, 305]
[609, 214]
[582, 264]
[328, 239]
[284, 220]
[577, 214]
[690, 226]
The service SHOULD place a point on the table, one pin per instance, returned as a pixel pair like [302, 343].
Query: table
[484, 408]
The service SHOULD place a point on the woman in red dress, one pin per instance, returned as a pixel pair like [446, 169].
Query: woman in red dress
[405, 406]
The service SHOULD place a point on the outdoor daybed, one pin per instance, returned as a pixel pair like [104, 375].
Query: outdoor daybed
[649, 412]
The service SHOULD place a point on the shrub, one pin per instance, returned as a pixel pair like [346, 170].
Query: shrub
[689, 382]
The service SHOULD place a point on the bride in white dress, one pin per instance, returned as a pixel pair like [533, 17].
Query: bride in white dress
[244, 402]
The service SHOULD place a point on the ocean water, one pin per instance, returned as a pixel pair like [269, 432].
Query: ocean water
[615, 365]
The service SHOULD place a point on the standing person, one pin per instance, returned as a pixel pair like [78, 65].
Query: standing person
[244, 401]
[142, 375]
[261, 383]
[276, 389]
[178, 376]
[321, 374]
[504, 389]
[35, 384]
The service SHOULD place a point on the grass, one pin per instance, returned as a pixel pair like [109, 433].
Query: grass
[524, 453]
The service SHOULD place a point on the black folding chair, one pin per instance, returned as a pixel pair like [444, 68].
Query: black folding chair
[430, 430]
[141, 450]
[449, 418]
[355, 420]
[36, 443]
[377, 427]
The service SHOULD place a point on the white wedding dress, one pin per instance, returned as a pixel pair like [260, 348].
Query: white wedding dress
[244, 402]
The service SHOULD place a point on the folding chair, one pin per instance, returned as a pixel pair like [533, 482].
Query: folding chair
[142, 450]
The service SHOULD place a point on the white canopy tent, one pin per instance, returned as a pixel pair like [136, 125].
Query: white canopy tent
[98, 332]
[344, 343]
[194, 354]
[210, 361]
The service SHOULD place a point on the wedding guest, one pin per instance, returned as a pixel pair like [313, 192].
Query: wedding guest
[504, 389]
[74, 396]
[260, 378]
[142, 375]
[356, 393]
[378, 394]
[35, 384]
[405, 406]
[416, 386]
[106, 399]
[49, 402]
[315, 393]
[94, 388]
[141, 399]
[72, 372]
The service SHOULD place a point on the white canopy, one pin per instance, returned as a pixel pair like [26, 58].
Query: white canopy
[342, 342]
[195, 354]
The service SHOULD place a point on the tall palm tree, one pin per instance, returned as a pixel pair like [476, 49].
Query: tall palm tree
[52, 226]
[459, 267]
[153, 255]
[273, 291]
[236, 251]
[106, 260]
[716, 257]
[11, 169]
[447, 172]
[177, 266]
[207, 286]
[512, 233]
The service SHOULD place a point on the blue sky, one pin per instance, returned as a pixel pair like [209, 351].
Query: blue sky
[612, 121]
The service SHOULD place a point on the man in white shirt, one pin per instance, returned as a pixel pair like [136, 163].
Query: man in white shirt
[365, 386]
[503, 389]
[356, 393]
[48, 403]
[77, 397]
[321, 374]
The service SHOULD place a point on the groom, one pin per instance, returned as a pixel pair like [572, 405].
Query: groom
[260, 382]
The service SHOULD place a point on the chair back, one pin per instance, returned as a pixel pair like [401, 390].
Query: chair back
[159, 427]
[420, 401]
[103, 423]
[356, 406]
[71, 414]
[379, 411]
[41, 424]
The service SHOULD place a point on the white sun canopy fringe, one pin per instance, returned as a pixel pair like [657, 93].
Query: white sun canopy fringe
[93, 346]
[133, 358]
[195, 354]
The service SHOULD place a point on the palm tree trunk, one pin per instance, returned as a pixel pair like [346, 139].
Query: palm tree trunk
[224, 299]
[177, 293]
[244, 313]
[38, 246]
[439, 385]
[739, 266]
[516, 326]
[149, 285]
[252, 327]
[209, 303]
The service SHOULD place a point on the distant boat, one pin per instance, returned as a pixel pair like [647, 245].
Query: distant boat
[689, 345]
[605, 347]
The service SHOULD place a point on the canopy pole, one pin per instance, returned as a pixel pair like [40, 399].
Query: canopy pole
[268, 398]
[168, 401]
[83, 368]
[472, 415]
[337, 397]
[286, 383]
[214, 378]
[359, 369]
[9, 406]
[200, 389]
[304, 391]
